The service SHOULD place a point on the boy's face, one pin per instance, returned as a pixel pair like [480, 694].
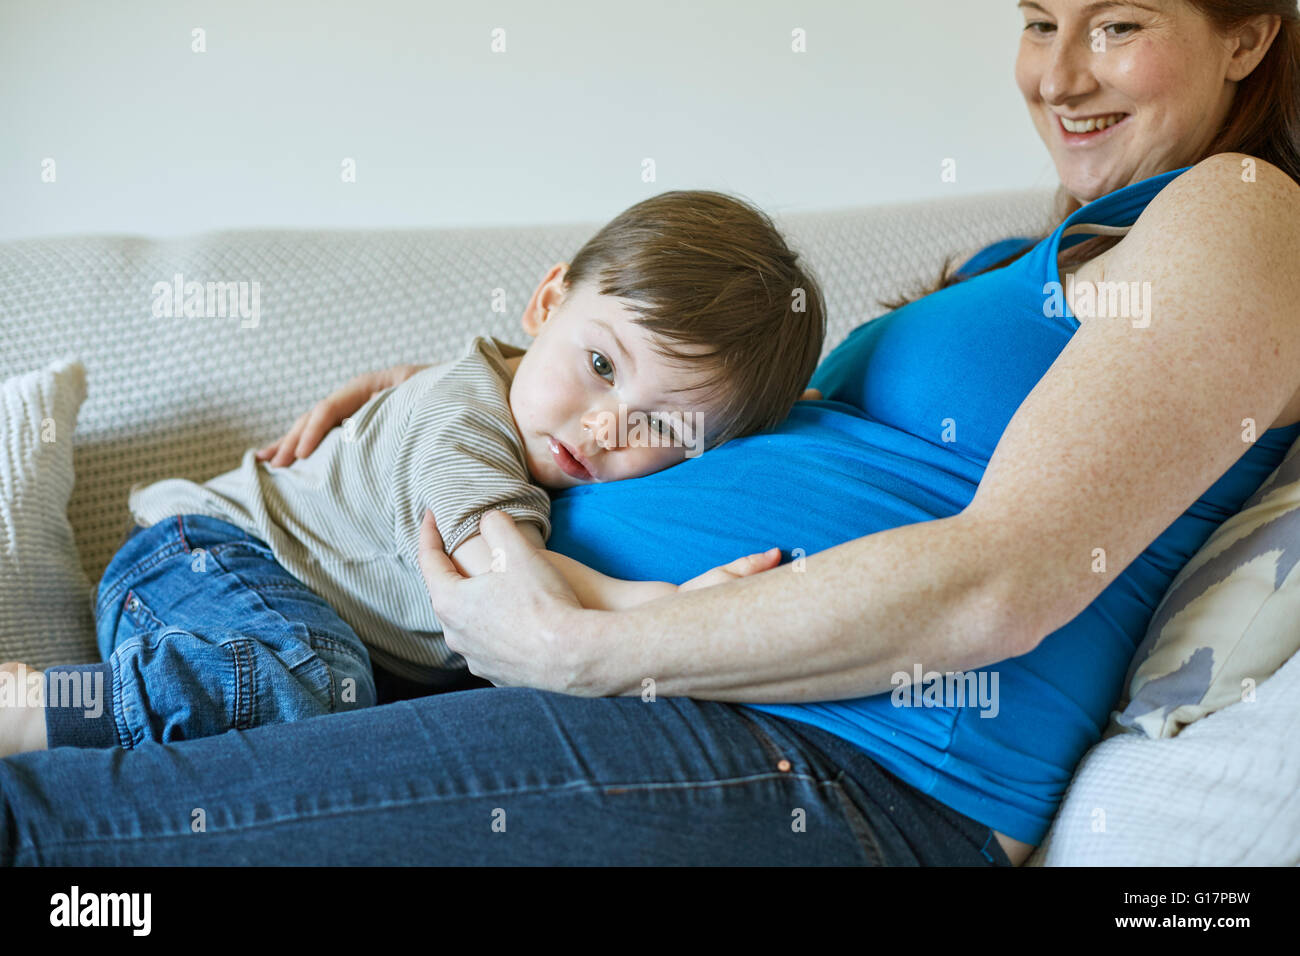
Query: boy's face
[591, 397]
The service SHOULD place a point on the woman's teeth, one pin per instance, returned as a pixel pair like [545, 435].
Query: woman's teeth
[1094, 124]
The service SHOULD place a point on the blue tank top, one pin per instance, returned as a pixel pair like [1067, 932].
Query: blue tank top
[916, 401]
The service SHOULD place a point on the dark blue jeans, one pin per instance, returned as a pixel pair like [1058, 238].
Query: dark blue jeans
[488, 776]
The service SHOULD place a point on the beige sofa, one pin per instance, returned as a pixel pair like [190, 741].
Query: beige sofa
[185, 396]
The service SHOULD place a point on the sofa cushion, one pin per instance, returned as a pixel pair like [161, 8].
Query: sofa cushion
[1227, 621]
[46, 614]
[1221, 793]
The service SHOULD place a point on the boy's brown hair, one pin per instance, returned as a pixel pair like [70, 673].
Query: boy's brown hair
[705, 269]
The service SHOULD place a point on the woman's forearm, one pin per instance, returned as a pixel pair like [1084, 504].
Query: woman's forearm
[854, 616]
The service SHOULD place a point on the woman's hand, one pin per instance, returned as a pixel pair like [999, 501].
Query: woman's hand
[511, 624]
[508, 624]
[315, 423]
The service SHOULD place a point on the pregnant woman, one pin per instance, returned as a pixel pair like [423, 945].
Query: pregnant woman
[1003, 478]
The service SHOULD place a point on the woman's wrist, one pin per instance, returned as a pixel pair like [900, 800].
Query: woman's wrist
[583, 663]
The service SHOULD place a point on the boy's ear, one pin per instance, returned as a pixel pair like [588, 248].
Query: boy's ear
[548, 294]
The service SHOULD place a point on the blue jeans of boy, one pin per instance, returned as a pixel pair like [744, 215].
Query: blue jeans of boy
[201, 631]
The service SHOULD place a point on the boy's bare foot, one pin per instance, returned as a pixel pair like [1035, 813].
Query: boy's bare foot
[22, 709]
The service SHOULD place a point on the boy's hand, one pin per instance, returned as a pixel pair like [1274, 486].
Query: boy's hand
[739, 568]
[314, 424]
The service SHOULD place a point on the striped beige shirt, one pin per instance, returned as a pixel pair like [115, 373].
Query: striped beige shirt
[345, 520]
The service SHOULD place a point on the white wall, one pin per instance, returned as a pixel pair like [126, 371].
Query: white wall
[150, 137]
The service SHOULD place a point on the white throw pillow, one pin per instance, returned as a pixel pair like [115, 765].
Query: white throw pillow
[46, 602]
[1229, 619]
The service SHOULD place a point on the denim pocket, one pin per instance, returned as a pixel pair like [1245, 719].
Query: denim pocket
[809, 760]
[770, 747]
[140, 616]
[255, 545]
[127, 618]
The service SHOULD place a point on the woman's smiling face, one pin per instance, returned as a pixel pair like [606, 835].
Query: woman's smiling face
[1155, 76]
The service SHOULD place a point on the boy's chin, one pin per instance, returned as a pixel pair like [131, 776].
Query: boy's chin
[552, 480]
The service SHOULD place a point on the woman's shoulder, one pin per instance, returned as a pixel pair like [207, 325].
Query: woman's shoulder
[1227, 187]
[1225, 168]
[1228, 206]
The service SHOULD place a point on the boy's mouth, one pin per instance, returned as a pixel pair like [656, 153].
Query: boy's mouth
[567, 460]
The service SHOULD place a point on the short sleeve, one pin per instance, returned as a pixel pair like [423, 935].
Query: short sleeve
[460, 455]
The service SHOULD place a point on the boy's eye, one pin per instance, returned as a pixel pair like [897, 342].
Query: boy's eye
[601, 365]
[661, 426]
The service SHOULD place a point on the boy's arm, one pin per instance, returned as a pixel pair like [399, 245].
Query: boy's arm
[600, 591]
[594, 590]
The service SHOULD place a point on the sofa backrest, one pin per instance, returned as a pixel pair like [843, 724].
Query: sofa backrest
[175, 396]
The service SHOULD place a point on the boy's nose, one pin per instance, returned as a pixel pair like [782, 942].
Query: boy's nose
[599, 430]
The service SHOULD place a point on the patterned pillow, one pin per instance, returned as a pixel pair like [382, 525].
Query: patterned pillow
[46, 615]
[1229, 619]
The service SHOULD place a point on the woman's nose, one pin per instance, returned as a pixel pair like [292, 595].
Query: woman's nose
[1068, 73]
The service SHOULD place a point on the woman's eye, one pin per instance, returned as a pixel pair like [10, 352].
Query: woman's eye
[1124, 29]
[1041, 27]
[601, 365]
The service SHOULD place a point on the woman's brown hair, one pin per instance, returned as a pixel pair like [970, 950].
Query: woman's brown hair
[1264, 122]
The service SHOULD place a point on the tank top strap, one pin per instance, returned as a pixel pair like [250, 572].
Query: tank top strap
[1095, 229]
[1110, 215]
